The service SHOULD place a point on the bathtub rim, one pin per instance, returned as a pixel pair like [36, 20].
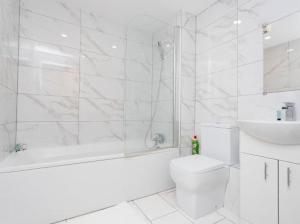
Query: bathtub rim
[45, 165]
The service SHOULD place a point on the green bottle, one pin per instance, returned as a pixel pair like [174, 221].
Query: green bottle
[195, 145]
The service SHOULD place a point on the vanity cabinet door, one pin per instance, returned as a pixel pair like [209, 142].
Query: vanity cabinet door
[259, 189]
[289, 193]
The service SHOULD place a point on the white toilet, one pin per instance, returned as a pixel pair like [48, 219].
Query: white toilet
[201, 179]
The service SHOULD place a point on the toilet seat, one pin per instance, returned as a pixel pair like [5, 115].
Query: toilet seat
[196, 164]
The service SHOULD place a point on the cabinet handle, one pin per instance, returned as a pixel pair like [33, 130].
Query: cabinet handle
[288, 177]
[265, 172]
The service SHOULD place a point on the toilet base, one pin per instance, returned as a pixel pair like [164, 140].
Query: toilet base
[204, 200]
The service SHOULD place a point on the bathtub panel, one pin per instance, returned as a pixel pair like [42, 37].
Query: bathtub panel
[57, 193]
[144, 178]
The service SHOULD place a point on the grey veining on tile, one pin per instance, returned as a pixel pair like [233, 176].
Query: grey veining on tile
[188, 64]
[41, 55]
[101, 65]
[102, 88]
[60, 9]
[188, 41]
[138, 71]
[138, 91]
[8, 101]
[101, 43]
[100, 110]
[47, 134]
[218, 32]
[101, 24]
[47, 108]
[187, 131]
[218, 59]
[187, 111]
[101, 132]
[49, 30]
[164, 111]
[139, 52]
[217, 110]
[9, 19]
[9, 37]
[7, 139]
[137, 110]
[48, 82]
[217, 85]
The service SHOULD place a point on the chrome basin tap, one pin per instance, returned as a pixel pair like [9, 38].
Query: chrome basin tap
[289, 111]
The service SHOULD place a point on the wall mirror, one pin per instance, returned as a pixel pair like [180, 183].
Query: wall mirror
[282, 54]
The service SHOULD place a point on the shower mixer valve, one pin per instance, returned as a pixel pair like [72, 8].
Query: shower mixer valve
[158, 138]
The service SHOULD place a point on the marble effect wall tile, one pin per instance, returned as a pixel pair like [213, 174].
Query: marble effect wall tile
[101, 65]
[166, 129]
[138, 71]
[138, 91]
[217, 59]
[48, 56]
[101, 132]
[47, 134]
[217, 85]
[137, 110]
[217, 110]
[47, 108]
[256, 12]
[188, 65]
[49, 30]
[250, 47]
[250, 79]
[187, 110]
[8, 101]
[135, 135]
[48, 82]
[102, 43]
[9, 30]
[217, 33]
[187, 131]
[214, 11]
[164, 111]
[7, 139]
[100, 110]
[102, 88]
[166, 90]
[139, 52]
[9, 20]
[60, 9]
[101, 24]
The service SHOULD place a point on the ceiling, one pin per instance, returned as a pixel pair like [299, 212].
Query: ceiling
[125, 11]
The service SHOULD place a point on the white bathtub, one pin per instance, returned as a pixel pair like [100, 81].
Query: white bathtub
[42, 186]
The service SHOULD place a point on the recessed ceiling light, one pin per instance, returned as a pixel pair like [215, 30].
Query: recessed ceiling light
[168, 45]
[114, 47]
[290, 50]
[237, 22]
[268, 37]
[64, 35]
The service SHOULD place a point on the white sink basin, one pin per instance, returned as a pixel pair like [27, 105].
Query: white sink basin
[276, 132]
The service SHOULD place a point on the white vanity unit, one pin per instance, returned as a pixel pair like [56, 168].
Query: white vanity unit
[270, 172]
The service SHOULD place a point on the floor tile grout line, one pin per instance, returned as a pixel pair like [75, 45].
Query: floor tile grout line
[162, 216]
[138, 207]
[226, 217]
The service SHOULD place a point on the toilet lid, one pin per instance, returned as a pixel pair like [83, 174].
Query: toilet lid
[197, 163]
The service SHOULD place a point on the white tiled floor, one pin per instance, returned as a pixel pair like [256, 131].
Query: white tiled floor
[162, 209]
